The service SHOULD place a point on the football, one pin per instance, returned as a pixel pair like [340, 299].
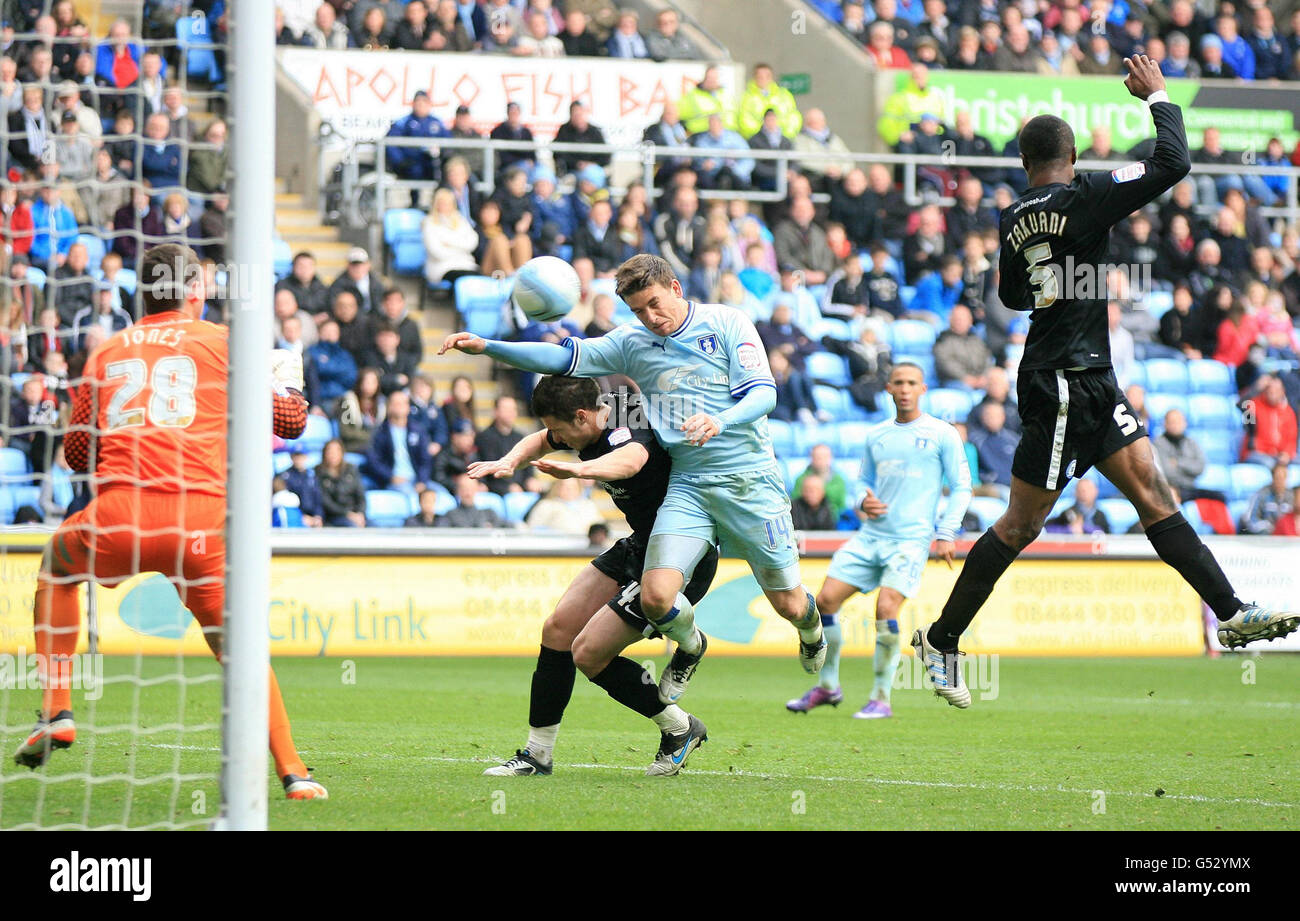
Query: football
[546, 288]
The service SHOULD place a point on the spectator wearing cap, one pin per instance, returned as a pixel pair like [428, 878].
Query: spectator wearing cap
[722, 171]
[1213, 64]
[579, 130]
[763, 93]
[460, 453]
[416, 163]
[448, 31]
[69, 100]
[462, 126]
[300, 480]
[591, 189]
[512, 129]
[73, 150]
[360, 281]
[553, 215]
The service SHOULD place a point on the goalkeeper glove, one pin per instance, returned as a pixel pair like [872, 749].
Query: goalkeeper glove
[286, 371]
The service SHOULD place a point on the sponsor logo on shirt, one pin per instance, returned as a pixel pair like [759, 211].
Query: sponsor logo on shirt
[749, 356]
[1129, 173]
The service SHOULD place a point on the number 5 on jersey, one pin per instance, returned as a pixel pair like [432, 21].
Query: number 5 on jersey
[1041, 277]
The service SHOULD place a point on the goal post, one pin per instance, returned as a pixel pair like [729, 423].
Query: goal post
[247, 650]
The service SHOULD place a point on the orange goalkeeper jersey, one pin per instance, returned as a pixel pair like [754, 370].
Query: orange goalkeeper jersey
[150, 412]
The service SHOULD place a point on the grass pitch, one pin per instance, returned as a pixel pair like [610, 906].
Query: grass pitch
[1067, 743]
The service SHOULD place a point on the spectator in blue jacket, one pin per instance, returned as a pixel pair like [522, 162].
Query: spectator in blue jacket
[1272, 57]
[160, 157]
[398, 457]
[426, 414]
[939, 291]
[1275, 155]
[335, 365]
[416, 163]
[301, 481]
[1236, 50]
[717, 172]
[54, 229]
[554, 221]
[995, 446]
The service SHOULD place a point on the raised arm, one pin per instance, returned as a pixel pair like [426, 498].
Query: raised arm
[539, 357]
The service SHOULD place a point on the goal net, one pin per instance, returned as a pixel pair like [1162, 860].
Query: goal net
[115, 141]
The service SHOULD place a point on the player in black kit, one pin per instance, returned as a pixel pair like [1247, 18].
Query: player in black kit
[1073, 414]
[600, 613]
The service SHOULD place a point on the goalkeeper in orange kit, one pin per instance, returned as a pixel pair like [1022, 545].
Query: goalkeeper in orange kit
[149, 422]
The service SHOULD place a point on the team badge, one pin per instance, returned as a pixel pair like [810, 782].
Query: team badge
[708, 344]
[922, 444]
[1069, 471]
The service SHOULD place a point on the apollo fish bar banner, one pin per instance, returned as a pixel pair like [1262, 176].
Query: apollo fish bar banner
[357, 606]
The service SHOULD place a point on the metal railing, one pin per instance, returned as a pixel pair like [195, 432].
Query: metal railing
[649, 155]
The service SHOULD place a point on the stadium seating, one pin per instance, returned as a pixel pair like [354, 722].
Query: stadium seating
[1120, 514]
[1193, 516]
[832, 400]
[479, 299]
[1158, 404]
[622, 312]
[1159, 303]
[193, 37]
[13, 466]
[782, 434]
[926, 363]
[850, 438]
[387, 508]
[1293, 476]
[1105, 488]
[849, 468]
[1166, 376]
[280, 462]
[791, 469]
[912, 336]
[947, 404]
[827, 368]
[1220, 447]
[492, 502]
[36, 277]
[1248, 479]
[1204, 375]
[13, 498]
[1216, 478]
[828, 326]
[404, 241]
[519, 504]
[1213, 411]
[1237, 510]
[987, 509]
[282, 259]
[446, 501]
[319, 430]
[282, 517]
[95, 250]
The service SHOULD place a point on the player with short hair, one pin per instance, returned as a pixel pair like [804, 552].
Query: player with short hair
[1073, 413]
[600, 614]
[707, 390]
[904, 467]
[149, 422]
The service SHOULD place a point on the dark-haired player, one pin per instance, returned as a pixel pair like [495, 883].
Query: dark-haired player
[600, 613]
[1073, 414]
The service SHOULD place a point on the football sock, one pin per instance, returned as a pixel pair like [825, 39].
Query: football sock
[679, 625]
[551, 690]
[984, 565]
[885, 662]
[541, 742]
[672, 720]
[829, 677]
[283, 751]
[810, 625]
[1181, 547]
[632, 686]
[57, 625]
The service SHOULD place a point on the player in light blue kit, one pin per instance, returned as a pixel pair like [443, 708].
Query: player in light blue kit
[904, 468]
[707, 389]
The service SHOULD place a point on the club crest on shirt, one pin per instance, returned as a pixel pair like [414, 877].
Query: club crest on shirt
[1129, 173]
[922, 443]
[1069, 471]
[708, 344]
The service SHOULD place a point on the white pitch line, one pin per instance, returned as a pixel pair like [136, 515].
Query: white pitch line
[1174, 701]
[882, 781]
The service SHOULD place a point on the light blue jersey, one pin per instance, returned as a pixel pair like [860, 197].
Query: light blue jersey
[905, 465]
[713, 359]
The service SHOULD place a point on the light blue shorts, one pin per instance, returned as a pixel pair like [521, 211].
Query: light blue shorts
[868, 563]
[748, 513]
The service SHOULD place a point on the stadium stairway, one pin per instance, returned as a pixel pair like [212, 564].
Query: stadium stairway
[301, 228]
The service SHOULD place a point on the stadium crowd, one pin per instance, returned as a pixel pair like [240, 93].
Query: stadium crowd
[841, 278]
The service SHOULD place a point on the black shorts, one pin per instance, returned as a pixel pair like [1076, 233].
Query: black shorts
[1069, 421]
[625, 561]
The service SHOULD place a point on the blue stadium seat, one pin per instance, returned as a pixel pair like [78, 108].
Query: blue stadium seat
[832, 369]
[446, 501]
[13, 466]
[1193, 516]
[1159, 303]
[1293, 476]
[355, 459]
[850, 468]
[782, 434]
[518, 504]
[408, 256]
[95, 250]
[319, 430]
[1248, 479]
[947, 404]
[194, 38]
[851, 438]
[1213, 411]
[1105, 488]
[829, 326]
[832, 400]
[1220, 447]
[491, 501]
[906, 293]
[387, 508]
[280, 462]
[1216, 477]
[622, 312]
[1166, 376]
[791, 469]
[127, 280]
[1119, 512]
[481, 294]
[20, 496]
[402, 222]
[987, 509]
[282, 259]
[912, 336]
[36, 277]
[286, 517]
[1237, 510]
[1204, 375]
[1158, 404]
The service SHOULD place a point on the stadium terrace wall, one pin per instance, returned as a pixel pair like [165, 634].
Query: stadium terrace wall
[399, 593]
[1247, 115]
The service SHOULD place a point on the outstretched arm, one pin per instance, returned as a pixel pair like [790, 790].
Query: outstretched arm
[530, 448]
[540, 357]
[757, 402]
